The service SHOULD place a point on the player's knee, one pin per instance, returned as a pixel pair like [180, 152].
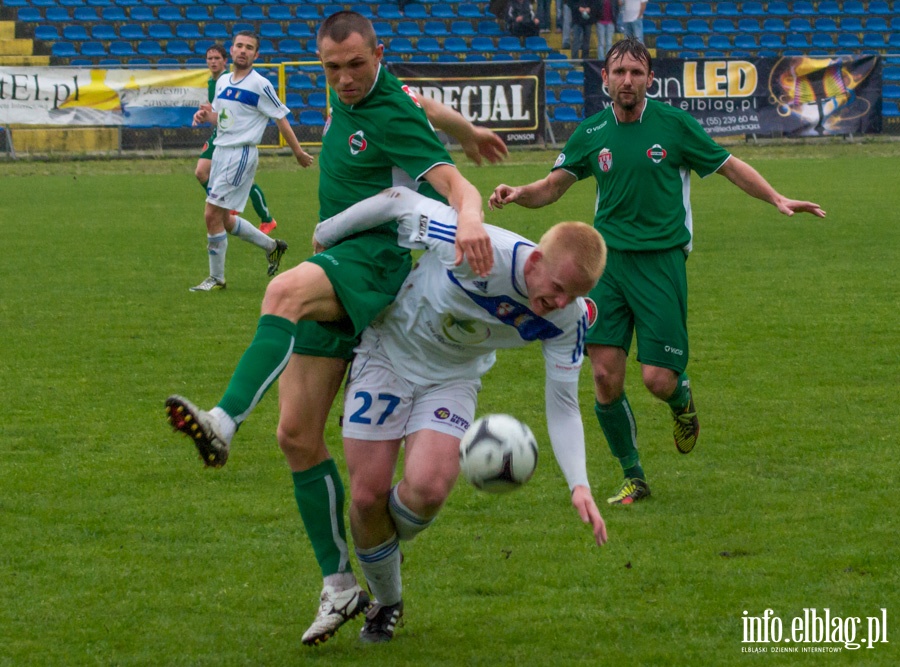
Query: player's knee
[368, 500]
[659, 381]
[429, 494]
[302, 449]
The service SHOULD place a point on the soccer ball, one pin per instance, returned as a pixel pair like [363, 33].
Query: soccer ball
[498, 453]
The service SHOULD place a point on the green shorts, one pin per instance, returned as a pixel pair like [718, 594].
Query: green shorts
[644, 294]
[366, 272]
[209, 147]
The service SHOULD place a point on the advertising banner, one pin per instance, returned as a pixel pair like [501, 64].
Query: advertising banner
[88, 96]
[794, 96]
[507, 97]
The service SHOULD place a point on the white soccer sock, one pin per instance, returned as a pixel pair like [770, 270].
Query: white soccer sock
[227, 425]
[217, 246]
[340, 581]
[408, 523]
[381, 565]
[245, 231]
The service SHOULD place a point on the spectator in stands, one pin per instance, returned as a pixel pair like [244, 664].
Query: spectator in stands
[631, 14]
[543, 14]
[521, 20]
[564, 21]
[584, 15]
[607, 19]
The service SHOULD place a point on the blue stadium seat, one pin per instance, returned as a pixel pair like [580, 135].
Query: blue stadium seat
[575, 77]
[873, 40]
[671, 27]
[298, 29]
[890, 110]
[448, 58]
[456, 45]
[201, 46]
[103, 32]
[365, 10]
[329, 9]
[316, 100]
[401, 45]
[408, 29]
[132, 31]
[188, 31]
[294, 101]
[653, 10]
[440, 10]
[502, 57]
[550, 97]
[280, 13]
[877, 24]
[469, 11]
[224, 13]
[725, 27]
[891, 92]
[881, 7]
[537, 44]
[552, 77]
[490, 28]
[823, 40]
[29, 15]
[676, 10]
[428, 45]
[475, 58]
[292, 47]
[668, 43]
[825, 24]
[484, 45]
[701, 9]
[160, 31]
[727, 9]
[693, 43]
[271, 30]
[46, 33]
[216, 31]
[697, 27]
[63, 50]
[650, 27]
[308, 13]
[16, 4]
[462, 29]
[851, 24]
[803, 8]
[57, 15]
[86, 14]
[848, 40]
[70, 3]
[751, 26]
[170, 13]
[252, 13]
[746, 42]
[389, 13]
[75, 33]
[121, 49]
[93, 50]
[242, 27]
[178, 47]
[720, 42]
[891, 73]
[300, 81]
[767, 40]
[799, 25]
[509, 44]
[416, 11]
[829, 8]
[142, 14]
[311, 117]
[149, 47]
[566, 114]
[113, 15]
[753, 9]
[797, 40]
[779, 8]
[854, 8]
[435, 29]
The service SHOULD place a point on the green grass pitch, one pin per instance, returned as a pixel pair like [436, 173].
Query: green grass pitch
[118, 548]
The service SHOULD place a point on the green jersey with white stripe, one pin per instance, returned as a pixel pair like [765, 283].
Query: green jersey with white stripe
[381, 141]
[643, 172]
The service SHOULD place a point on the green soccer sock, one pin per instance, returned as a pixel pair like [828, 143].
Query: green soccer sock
[320, 499]
[618, 425]
[259, 367]
[204, 185]
[679, 400]
[258, 199]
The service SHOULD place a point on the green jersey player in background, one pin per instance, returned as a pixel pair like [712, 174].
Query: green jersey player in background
[377, 136]
[641, 153]
[217, 63]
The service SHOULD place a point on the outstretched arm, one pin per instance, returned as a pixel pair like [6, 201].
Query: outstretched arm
[477, 142]
[751, 181]
[567, 439]
[534, 195]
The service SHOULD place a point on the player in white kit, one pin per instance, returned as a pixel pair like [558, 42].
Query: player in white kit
[243, 105]
[418, 367]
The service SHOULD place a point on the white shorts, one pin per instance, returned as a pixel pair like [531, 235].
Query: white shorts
[381, 405]
[231, 176]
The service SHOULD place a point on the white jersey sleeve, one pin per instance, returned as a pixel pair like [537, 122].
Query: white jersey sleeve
[566, 430]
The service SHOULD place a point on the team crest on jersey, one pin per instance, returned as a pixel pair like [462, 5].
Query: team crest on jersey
[592, 311]
[358, 142]
[409, 91]
[604, 159]
[560, 160]
[656, 153]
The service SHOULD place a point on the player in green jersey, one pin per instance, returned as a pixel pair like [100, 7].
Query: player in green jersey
[641, 153]
[217, 63]
[378, 135]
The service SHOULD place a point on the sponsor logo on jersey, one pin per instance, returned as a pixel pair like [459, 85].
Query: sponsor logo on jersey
[604, 159]
[442, 413]
[481, 285]
[598, 128]
[592, 311]
[357, 142]
[656, 153]
[412, 94]
[560, 160]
